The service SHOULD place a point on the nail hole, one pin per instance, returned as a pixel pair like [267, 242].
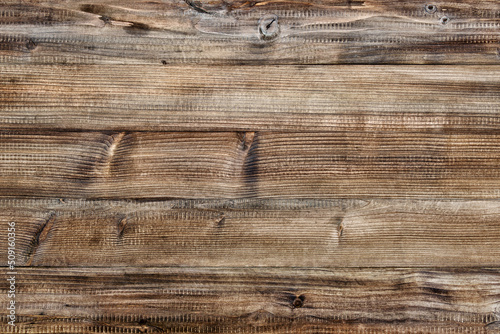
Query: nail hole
[444, 20]
[269, 27]
[430, 8]
[164, 62]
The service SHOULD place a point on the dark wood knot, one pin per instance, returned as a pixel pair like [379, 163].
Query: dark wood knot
[429, 8]
[269, 27]
[444, 20]
[299, 301]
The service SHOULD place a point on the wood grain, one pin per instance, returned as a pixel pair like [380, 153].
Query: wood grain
[250, 233]
[238, 165]
[251, 98]
[230, 32]
[234, 166]
[210, 300]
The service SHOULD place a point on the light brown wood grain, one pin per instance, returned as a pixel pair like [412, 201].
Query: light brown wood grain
[249, 164]
[289, 98]
[210, 300]
[229, 32]
[250, 233]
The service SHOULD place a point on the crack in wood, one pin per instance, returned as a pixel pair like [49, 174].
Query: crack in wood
[196, 7]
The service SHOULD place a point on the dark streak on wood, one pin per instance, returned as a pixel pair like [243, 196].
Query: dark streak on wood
[251, 162]
[196, 6]
[122, 224]
[40, 235]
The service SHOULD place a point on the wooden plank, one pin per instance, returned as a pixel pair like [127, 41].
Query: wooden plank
[256, 32]
[254, 233]
[236, 165]
[209, 300]
[124, 165]
[250, 98]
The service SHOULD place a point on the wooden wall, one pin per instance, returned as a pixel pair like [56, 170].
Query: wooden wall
[233, 166]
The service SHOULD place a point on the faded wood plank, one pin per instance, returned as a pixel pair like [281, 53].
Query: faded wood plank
[251, 233]
[229, 32]
[237, 165]
[209, 300]
[291, 98]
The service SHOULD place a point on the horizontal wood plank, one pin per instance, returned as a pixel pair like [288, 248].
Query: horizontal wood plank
[250, 233]
[249, 98]
[250, 32]
[209, 300]
[162, 165]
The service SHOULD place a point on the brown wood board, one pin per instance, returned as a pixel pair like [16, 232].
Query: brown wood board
[250, 164]
[250, 32]
[255, 233]
[251, 98]
[213, 300]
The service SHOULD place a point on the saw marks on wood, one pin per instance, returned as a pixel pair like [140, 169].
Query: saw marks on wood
[213, 300]
[249, 98]
[249, 164]
[251, 233]
[241, 32]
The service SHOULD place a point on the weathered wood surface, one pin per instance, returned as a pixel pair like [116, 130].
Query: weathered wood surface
[288, 98]
[182, 167]
[211, 300]
[252, 32]
[250, 233]
[249, 164]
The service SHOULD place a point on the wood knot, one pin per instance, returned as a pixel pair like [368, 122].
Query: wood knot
[122, 224]
[105, 19]
[246, 139]
[444, 20]
[269, 27]
[299, 301]
[31, 44]
[429, 8]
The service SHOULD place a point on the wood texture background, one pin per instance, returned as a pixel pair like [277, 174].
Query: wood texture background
[233, 166]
